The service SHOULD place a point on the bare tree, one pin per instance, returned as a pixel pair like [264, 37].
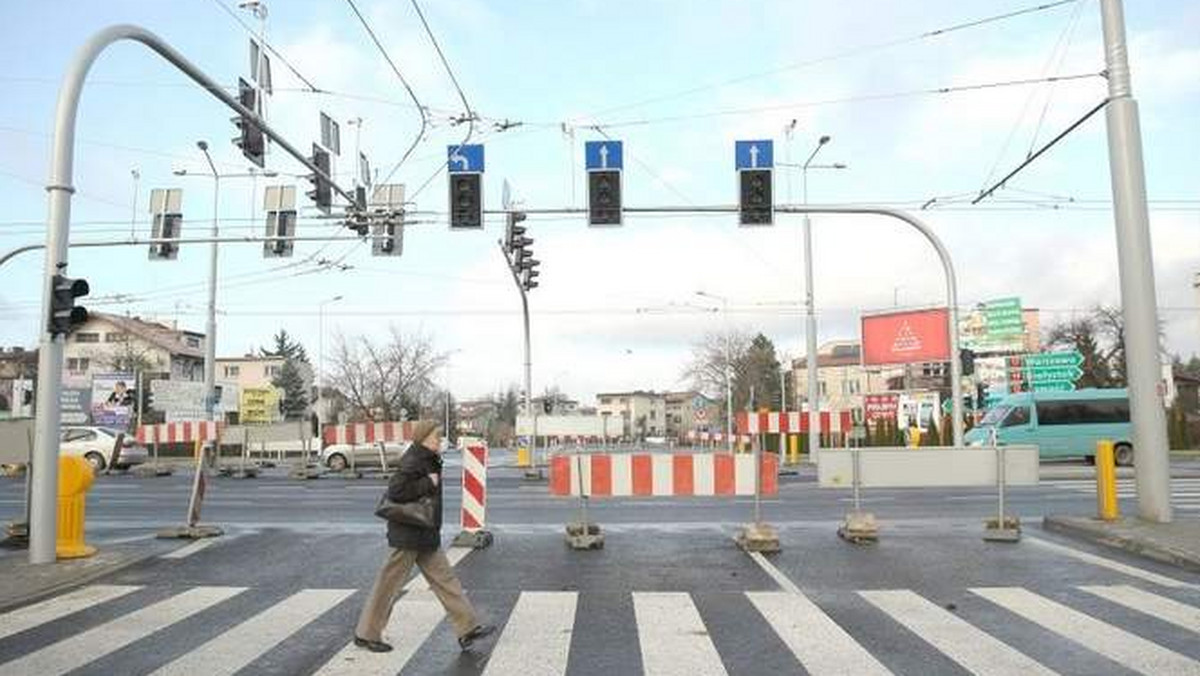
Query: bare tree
[713, 356]
[382, 380]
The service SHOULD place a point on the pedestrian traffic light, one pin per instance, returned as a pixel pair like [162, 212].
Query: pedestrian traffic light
[514, 234]
[604, 197]
[250, 137]
[387, 239]
[322, 192]
[466, 201]
[65, 315]
[755, 205]
[967, 359]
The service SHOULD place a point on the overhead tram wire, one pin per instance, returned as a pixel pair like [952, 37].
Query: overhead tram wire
[266, 45]
[836, 56]
[395, 69]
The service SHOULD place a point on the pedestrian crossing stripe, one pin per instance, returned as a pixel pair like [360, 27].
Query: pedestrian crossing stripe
[673, 638]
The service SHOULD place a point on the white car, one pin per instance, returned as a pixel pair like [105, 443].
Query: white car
[338, 457]
[96, 445]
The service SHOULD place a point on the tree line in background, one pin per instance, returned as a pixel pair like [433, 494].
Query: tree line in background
[752, 364]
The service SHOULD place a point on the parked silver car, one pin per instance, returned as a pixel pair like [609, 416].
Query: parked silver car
[97, 444]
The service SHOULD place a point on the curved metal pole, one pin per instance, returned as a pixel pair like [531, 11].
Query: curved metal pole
[951, 291]
[42, 525]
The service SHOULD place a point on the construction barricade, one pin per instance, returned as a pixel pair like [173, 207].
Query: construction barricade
[473, 519]
[344, 447]
[609, 475]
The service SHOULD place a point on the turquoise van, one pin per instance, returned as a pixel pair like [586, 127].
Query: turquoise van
[1060, 424]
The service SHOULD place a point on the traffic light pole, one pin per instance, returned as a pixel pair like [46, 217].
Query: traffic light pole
[528, 352]
[44, 470]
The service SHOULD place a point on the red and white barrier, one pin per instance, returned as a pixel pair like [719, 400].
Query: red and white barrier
[605, 475]
[792, 422]
[474, 500]
[366, 433]
[186, 431]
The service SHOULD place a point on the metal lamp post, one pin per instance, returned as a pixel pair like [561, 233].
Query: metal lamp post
[321, 361]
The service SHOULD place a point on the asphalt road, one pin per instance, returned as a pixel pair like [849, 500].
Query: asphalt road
[669, 593]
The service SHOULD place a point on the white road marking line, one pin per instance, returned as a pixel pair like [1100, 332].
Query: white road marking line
[89, 646]
[188, 550]
[537, 637]
[776, 574]
[672, 637]
[1128, 650]
[819, 643]
[414, 617]
[1146, 575]
[977, 651]
[241, 645]
[60, 606]
[1165, 609]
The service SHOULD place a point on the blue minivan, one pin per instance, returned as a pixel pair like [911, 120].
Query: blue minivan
[1060, 424]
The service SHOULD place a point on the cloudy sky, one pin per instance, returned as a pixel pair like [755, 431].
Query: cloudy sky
[678, 81]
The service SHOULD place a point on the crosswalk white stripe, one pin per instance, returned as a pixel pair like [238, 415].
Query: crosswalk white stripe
[80, 649]
[60, 606]
[537, 637]
[188, 550]
[1129, 650]
[413, 619]
[1168, 610]
[672, 636]
[1146, 575]
[823, 647]
[977, 651]
[241, 645]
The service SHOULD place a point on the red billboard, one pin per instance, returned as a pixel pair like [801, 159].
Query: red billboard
[905, 337]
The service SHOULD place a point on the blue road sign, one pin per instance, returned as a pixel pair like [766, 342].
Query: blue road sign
[461, 159]
[603, 155]
[754, 154]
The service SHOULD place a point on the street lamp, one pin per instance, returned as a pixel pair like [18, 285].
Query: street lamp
[727, 369]
[810, 316]
[321, 362]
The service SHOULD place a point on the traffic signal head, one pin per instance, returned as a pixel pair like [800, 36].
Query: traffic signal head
[281, 228]
[250, 138]
[166, 226]
[466, 201]
[967, 358]
[65, 316]
[388, 239]
[513, 232]
[755, 205]
[322, 192]
[604, 197]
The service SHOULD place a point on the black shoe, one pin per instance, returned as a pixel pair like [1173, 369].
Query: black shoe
[373, 646]
[480, 631]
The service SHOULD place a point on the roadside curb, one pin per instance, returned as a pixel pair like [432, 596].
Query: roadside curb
[1104, 534]
[80, 575]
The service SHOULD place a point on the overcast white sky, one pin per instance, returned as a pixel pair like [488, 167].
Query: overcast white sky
[617, 307]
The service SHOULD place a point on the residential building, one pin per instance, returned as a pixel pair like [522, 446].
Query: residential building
[841, 377]
[643, 414]
[18, 370]
[254, 371]
[690, 411]
[108, 343]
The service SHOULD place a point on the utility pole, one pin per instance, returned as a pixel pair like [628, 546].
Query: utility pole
[1134, 262]
[321, 363]
[728, 368]
[210, 341]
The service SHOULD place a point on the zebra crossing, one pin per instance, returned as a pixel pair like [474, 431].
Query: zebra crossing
[676, 632]
[1185, 492]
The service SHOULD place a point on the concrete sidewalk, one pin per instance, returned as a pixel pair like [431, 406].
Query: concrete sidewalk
[1176, 543]
[24, 582]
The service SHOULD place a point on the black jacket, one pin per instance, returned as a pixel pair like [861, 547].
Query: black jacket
[409, 482]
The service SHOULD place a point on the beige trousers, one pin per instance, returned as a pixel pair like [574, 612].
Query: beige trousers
[442, 580]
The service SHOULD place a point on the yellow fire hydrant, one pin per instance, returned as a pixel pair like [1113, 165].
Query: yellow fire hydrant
[75, 476]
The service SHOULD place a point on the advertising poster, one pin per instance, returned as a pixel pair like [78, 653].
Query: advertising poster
[905, 337]
[881, 407]
[259, 405]
[114, 399]
[75, 404]
[994, 326]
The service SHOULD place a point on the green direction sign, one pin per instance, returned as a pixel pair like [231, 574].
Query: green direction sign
[1054, 386]
[1004, 318]
[1044, 360]
[1045, 374]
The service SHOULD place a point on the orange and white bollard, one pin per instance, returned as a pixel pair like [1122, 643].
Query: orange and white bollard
[474, 500]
